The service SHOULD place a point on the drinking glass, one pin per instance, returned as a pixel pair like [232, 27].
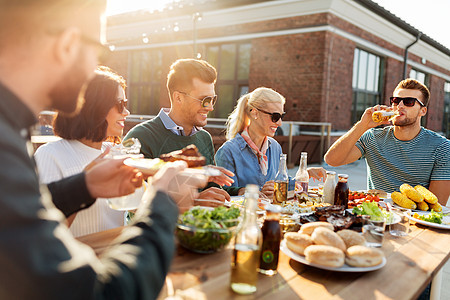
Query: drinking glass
[373, 231]
[399, 221]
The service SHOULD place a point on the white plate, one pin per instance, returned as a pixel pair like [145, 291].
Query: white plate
[238, 201]
[150, 166]
[445, 209]
[344, 268]
[395, 221]
[430, 224]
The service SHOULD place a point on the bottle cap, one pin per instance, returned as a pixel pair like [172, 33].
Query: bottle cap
[273, 208]
[331, 172]
[343, 175]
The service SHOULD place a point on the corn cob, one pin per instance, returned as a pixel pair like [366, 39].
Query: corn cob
[429, 196]
[436, 207]
[411, 193]
[422, 205]
[403, 201]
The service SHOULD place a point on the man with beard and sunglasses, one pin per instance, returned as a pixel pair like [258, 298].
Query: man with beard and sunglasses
[190, 84]
[404, 152]
[48, 50]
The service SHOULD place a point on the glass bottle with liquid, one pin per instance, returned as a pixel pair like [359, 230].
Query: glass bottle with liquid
[302, 177]
[247, 247]
[382, 116]
[329, 187]
[270, 249]
[281, 182]
[341, 191]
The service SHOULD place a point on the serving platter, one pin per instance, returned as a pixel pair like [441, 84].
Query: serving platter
[445, 209]
[345, 268]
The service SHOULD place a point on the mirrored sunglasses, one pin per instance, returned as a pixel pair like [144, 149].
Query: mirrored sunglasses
[207, 101]
[121, 105]
[275, 116]
[407, 101]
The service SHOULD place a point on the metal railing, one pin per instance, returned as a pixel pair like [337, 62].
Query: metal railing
[324, 130]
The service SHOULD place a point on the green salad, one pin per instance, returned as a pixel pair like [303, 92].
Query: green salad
[206, 230]
[373, 210]
[433, 217]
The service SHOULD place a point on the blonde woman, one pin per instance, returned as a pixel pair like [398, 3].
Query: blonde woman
[251, 152]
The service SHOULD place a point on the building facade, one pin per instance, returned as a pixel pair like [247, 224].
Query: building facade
[331, 59]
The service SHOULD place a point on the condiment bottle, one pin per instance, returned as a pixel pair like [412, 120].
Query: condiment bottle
[329, 187]
[281, 182]
[247, 247]
[382, 116]
[302, 177]
[341, 191]
[270, 249]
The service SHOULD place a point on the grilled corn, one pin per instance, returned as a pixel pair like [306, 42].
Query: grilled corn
[429, 196]
[436, 207]
[403, 201]
[411, 193]
[422, 205]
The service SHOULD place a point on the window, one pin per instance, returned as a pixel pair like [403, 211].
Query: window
[446, 119]
[422, 77]
[144, 81]
[417, 75]
[366, 82]
[232, 62]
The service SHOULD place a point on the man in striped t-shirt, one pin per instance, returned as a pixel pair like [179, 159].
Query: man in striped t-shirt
[404, 152]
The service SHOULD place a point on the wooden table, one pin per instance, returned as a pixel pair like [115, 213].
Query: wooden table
[412, 262]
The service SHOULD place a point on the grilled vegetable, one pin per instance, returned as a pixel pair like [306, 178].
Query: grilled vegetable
[422, 205]
[411, 193]
[436, 207]
[403, 201]
[429, 196]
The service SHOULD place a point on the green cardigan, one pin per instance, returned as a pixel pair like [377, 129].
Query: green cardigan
[157, 139]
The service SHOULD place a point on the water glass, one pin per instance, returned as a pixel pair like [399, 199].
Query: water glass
[129, 202]
[399, 221]
[373, 231]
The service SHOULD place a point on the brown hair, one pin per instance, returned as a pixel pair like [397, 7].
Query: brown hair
[412, 84]
[100, 97]
[183, 71]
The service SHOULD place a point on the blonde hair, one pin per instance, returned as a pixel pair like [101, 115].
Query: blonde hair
[259, 98]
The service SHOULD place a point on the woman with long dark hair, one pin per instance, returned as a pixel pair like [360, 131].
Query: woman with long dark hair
[84, 137]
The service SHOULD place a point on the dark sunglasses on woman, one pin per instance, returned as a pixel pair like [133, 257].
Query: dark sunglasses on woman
[121, 105]
[275, 116]
[407, 101]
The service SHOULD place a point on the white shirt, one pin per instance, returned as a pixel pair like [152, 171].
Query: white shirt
[63, 158]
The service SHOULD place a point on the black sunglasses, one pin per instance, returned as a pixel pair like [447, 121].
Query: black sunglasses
[207, 101]
[121, 105]
[407, 101]
[275, 116]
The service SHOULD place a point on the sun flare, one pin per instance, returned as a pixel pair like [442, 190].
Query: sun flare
[115, 7]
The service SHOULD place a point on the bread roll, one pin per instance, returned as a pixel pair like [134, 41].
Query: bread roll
[351, 238]
[325, 236]
[308, 228]
[362, 256]
[297, 242]
[325, 256]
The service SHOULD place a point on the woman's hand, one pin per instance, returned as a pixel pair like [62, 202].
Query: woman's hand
[318, 173]
[268, 189]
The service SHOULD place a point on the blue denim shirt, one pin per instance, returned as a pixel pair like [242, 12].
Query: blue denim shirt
[237, 156]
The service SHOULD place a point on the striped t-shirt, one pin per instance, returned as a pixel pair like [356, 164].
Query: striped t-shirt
[392, 162]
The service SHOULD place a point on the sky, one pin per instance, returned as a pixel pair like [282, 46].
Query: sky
[432, 17]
